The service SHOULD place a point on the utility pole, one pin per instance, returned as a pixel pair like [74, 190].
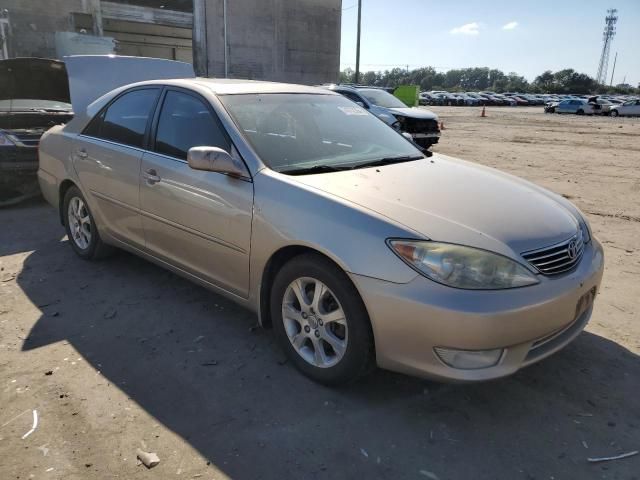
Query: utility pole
[615, 59]
[357, 77]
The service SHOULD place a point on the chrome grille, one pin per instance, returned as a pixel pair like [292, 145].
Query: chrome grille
[557, 258]
[25, 139]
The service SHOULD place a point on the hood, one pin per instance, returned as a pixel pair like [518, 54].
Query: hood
[34, 78]
[450, 200]
[415, 113]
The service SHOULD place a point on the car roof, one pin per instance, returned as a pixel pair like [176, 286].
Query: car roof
[228, 86]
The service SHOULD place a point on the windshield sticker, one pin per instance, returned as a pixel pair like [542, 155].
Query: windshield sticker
[353, 110]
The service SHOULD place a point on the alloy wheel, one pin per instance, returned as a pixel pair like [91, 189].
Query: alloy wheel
[315, 322]
[79, 223]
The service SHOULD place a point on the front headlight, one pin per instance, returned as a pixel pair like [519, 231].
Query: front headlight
[462, 267]
[5, 141]
[584, 226]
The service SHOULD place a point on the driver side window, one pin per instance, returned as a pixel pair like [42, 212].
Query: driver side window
[185, 121]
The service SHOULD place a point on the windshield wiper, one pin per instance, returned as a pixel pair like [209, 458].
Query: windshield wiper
[314, 169]
[388, 161]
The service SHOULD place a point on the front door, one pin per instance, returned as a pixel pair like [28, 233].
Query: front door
[198, 221]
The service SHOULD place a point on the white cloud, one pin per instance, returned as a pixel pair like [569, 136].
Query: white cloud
[472, 28]
[510, 26]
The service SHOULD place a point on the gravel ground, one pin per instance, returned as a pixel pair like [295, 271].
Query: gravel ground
[120, 355]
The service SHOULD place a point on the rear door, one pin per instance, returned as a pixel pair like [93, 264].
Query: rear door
[199, 221]
[107, 157]
[563, 106]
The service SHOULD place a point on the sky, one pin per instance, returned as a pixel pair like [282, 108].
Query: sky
[527, 37]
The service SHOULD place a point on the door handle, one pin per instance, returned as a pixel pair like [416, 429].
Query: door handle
[82, 153]
[151, 176]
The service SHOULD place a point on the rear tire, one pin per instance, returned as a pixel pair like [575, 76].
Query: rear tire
[614, 113]
[81, 227]
[321, 322]
[580, 112]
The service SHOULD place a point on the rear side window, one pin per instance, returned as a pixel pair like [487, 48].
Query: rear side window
[185, 122]
[125, 120]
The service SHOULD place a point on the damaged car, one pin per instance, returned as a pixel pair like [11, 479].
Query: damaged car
[420, 123]
[34, 96]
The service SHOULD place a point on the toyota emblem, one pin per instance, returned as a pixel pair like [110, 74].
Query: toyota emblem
[572, 249]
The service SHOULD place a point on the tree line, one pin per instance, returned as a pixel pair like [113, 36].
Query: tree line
[483, 78]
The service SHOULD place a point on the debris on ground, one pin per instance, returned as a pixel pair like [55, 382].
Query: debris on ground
[209, 364]
[431, 475]
[111, 313]
[615, 457]
[148, 459]
[35, 425]
[198, 339]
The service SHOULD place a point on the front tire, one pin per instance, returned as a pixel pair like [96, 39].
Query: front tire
[81, 227]
[321, 322]
[614, 113]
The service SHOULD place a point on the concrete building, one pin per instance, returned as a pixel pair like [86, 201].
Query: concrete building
[283, 40]
[286, 40]
[43, 28]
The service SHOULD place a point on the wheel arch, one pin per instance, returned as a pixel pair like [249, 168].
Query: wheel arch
[65, 185]
[277, 260]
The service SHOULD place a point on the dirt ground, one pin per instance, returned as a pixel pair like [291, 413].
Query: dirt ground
[120, 354]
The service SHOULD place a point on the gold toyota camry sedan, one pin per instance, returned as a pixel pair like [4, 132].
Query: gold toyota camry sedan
[355, 246]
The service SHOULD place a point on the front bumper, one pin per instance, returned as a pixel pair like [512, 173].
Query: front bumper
[18, 168]
[18, 160]
[529, 323]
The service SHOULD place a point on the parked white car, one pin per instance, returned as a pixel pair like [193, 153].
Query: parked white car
[630, 108]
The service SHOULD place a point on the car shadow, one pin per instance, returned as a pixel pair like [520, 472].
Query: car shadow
[195, 362]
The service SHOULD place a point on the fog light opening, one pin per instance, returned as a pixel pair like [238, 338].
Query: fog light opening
[469, 359]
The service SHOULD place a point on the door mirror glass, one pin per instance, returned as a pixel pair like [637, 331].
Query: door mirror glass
[215, 159]
[361, 104]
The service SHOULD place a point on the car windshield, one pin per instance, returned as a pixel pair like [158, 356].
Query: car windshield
[28, 105]
[381, 98]
[305, 131]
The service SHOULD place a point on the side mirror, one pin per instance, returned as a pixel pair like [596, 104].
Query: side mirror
[214, 159]
[408, 136]
[362, 104]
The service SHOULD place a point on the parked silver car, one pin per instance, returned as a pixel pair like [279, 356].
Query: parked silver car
[578, 106]
[335, 229]
[628, 108]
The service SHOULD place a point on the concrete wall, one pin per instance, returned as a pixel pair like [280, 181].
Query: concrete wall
[34, 23]
[295, 41]
[138, 30]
